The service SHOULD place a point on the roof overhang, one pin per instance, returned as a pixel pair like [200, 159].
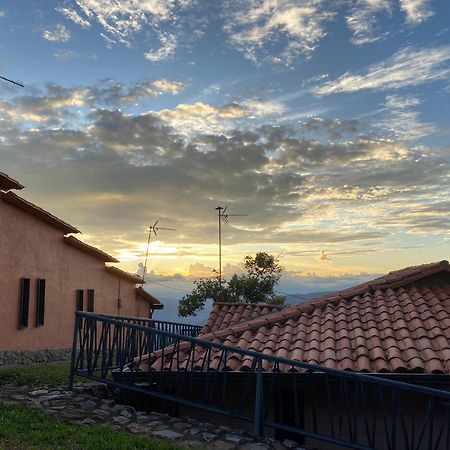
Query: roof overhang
[32, 209]
[7, 183]
[144, 295]
[136, 279]
[93, 251]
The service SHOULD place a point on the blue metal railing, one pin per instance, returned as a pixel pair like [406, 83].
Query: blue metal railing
[353, 410]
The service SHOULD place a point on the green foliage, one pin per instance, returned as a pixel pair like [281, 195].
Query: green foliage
[45, 374]
[22, 428]
[256, 285]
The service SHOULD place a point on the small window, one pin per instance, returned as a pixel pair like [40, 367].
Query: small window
[79, 299]
[24, 302]
[40, 307]
[90, 298]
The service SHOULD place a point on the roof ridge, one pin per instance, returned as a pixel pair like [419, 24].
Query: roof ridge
[300, 308]
[254, 305]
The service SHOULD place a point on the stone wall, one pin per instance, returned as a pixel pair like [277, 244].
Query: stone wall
[10, 357]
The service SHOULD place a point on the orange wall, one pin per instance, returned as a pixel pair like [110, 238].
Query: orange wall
[30, 248]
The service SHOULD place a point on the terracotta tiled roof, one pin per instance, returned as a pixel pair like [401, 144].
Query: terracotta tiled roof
[224, 315]
[141, 293]
[30, 208]
[397, 323]
[7, 183]
[89, 249]
[136, 279]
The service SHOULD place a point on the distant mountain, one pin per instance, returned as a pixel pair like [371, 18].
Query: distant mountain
[170, 311]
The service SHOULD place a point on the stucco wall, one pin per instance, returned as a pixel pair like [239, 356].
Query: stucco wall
[30, 248]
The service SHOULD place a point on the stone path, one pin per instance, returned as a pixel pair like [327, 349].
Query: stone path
[90, 404]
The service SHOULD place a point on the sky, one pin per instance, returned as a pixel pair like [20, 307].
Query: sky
[324, 125]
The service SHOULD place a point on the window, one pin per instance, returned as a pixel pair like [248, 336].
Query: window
[90, 299]
[79, 299]
[24, 302]
[40, 306]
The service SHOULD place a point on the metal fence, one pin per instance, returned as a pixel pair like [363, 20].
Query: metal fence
[346, 409]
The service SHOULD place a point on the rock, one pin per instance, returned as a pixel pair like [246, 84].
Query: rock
[55, 396]
[155, 416]
[19, 397]
[224, 428]
[208, 437]
[234, 438]
[38, 392]
[156, 424]
[204, 426]
[121, 420]
[180, 425]
[87, 421]
[194, 431]
[127, 411]
[169, 435]
[194, 444]
[255, 446]
[138, 429]
[289, 443]
[101, 413]
[221, 445]
[142, 419]
[88, 404]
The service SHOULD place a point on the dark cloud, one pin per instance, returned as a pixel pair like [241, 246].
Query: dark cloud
[116, 173]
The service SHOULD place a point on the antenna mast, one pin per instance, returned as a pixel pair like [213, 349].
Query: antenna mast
[152, 228]
[223, 217]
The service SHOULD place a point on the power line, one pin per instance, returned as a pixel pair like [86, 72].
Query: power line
[168, 287]
[12, 81]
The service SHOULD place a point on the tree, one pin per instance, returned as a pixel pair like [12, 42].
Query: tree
[255, 285]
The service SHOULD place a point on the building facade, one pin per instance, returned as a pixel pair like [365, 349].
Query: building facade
[46, 274]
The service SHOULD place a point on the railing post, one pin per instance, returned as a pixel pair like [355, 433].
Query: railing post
[257, 425]
[74, 351]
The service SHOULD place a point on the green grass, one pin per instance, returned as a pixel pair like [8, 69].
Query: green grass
[38, 375]
[22, 428]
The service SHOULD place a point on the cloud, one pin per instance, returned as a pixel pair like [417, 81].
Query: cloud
[408, 67]
[58, 34]
[199, 117]
[362, 20]
[323, 256]
[417, 11]
[123, 170]
[66, 55]
[165, 85]
[168, 45]
[256, 27]
[74, 16]
[110, 92]
[44, 105]
[402, 120]
[165, 25]
[333, 128]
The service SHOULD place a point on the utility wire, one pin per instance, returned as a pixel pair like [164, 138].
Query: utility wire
[12, 81]
[168, 287]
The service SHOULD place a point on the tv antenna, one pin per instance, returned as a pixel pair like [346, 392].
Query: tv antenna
[222, 217]
[152, 229]
[11, 81]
